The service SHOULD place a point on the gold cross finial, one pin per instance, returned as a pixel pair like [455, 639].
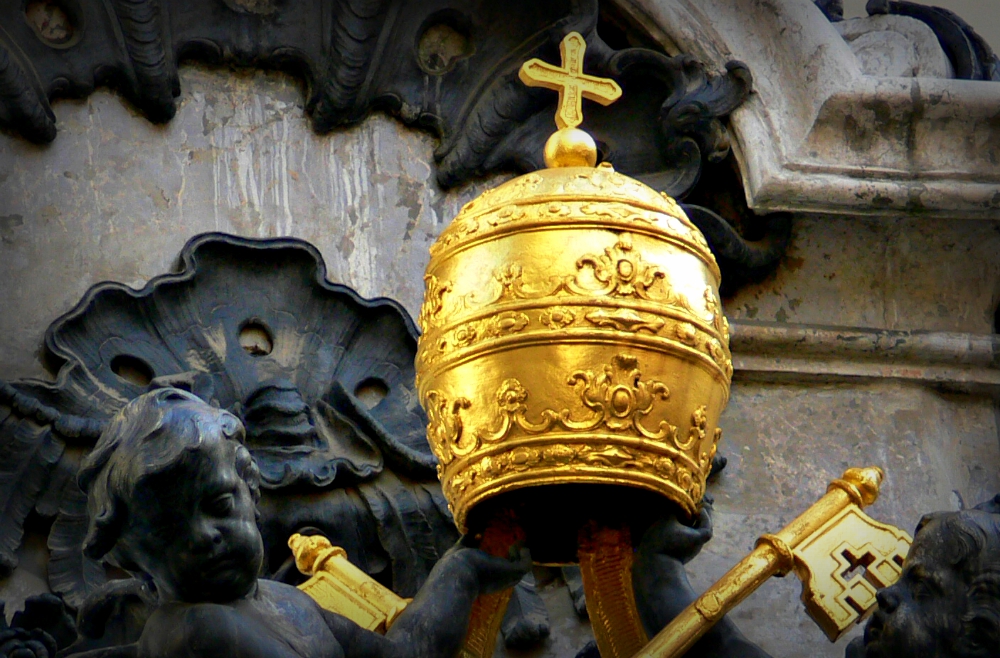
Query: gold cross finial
[570, 81]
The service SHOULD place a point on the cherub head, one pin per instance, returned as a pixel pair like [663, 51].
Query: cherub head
[171, 495]
[947, 603]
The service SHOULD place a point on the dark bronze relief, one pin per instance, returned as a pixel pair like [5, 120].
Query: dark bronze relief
[321, 378]
[947, 604]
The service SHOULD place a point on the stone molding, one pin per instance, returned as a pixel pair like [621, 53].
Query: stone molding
[896, 46]
[959, 362]
[820, 136]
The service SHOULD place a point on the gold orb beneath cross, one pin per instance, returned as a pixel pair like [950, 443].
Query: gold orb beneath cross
[570, 147]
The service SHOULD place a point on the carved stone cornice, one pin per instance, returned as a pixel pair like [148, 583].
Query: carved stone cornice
[818, 135]
[951, 361]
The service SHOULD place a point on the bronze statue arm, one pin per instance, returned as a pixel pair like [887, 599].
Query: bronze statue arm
[435, 623]
[662, 588]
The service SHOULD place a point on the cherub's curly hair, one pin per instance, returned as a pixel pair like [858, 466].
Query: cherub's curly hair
[151, 434]
[973, 538]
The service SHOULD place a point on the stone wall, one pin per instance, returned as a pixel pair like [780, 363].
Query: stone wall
[873, 344]
[116, 197]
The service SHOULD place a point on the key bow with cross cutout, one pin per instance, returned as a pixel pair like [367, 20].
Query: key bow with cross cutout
[844, 564]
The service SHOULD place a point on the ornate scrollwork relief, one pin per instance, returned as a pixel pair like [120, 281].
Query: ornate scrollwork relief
[508, 208]
[615, 399]
[557, 317]
[612, 402]
[622, 272]
[619, 272]
[625, 319]
[434, 292]
[495, 326]
[705, 460]
[444, 425]
[716, 316]
[970, 54]
[621, 399]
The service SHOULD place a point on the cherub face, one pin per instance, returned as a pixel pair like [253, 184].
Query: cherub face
[921, 615]
[193, 528]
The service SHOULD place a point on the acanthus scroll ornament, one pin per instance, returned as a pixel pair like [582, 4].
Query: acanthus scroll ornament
[617, 397]
[622, 272]
[434, 292]
[619, 272]
[622, 399]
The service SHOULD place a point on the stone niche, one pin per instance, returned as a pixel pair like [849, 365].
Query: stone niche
[874, 342]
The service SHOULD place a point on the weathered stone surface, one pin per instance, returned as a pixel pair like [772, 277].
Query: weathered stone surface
[793, 137]
[810, 354]
[895, 46]
[118, 197]
[899, 273]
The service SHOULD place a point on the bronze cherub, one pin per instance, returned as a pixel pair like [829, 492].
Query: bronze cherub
[172, 495]
[947, 602]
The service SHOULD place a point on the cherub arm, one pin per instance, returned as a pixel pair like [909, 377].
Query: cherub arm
[662, 588]
[435, 623]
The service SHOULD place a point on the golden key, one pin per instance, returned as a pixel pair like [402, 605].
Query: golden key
[340, 587]
[842, 556]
